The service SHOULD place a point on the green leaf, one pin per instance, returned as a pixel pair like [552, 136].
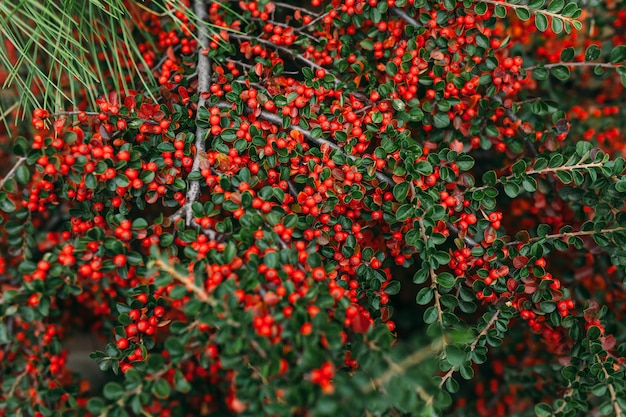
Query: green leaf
[393, 288]
[568, 54]
[480, 9]
[543, 410]
[465, 162]
[161, 389]
[592, 53]
[454, 355]
[523, 14]
[511, 189]
[557, 25]
[445, 279]
[490, 178]
[556, 6]
[500, 11]
[113, 391]
[424, 296]
[618, 54]
[420, 276]
[400, 191]
[541, 21]
[430, 315]
[441, 120]
[561, 72]
[536, 4]
[540, 73]
[404, 212]
[449, 4]
[95, 405]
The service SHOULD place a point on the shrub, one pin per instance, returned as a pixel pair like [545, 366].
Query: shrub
[249, 235]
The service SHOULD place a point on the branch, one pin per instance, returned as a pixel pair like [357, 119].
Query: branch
[612, 393]
[282, 49]
[533, 11]
[276, 119]
[543, 171]
[514, 119]
[573, 64]
[204, 80]
[413, 359]
[482, 333]
[408, 19]
[187, 281]
[569, 234]
[17, 164]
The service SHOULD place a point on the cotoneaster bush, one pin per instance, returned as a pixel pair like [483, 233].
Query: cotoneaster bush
[359, 208]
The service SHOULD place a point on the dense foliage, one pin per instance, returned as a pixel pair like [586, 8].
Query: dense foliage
[357, 208]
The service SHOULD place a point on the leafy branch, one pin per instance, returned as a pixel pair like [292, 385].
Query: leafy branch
[474, 343]
[563, 15]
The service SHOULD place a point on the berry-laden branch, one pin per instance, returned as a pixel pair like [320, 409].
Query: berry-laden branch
[287, 51]
[276, 119]
[13, 170]
[187, 281]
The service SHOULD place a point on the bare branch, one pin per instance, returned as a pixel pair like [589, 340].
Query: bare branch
[204, 83]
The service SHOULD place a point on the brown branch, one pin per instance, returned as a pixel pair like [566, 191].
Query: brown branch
[408, 19]
[287, 51]
[13, 170]
[204, 83]
[187, 281]
[473, 345]
[612, 393]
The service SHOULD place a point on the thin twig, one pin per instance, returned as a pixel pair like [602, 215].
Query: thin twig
[413, 359]
[612, 393]
[574, 64]
[569, 234]
[10, 174]
[473, 345]
[408, 19]
[187, 281]
[287, 51]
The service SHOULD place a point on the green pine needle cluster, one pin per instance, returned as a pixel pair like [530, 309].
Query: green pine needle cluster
[55, 54]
